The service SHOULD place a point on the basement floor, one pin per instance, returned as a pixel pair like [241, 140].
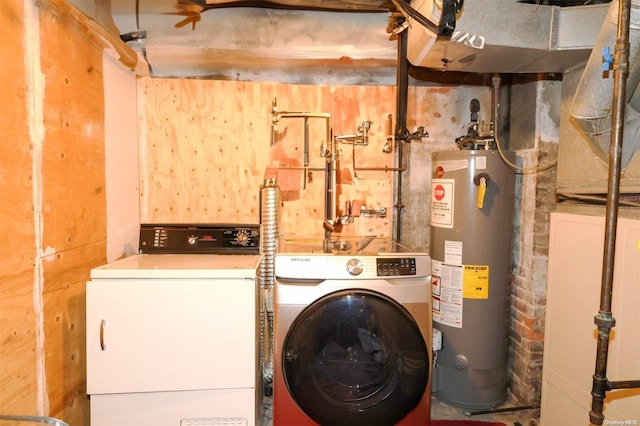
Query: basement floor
[522, 417]
[442, 411]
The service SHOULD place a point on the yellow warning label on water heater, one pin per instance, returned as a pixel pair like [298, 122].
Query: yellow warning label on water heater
[475, 282]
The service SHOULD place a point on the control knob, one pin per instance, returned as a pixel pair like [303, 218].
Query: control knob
[355, 266]
[242, 238]
[192, 240]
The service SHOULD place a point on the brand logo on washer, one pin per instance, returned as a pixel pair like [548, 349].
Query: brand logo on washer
[301, 259]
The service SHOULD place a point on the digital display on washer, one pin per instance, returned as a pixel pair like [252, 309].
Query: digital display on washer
[395, 266]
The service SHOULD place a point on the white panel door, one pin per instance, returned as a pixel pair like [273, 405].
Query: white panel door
[170, 335]
[573, 299]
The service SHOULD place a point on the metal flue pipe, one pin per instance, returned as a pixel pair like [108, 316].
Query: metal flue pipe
[604, 319]
[591, 106]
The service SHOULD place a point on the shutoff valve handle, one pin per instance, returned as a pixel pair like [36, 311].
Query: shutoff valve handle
[607, 59]
[481, 180]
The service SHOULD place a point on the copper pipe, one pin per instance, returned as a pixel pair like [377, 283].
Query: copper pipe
[401, 168]
[604, 319]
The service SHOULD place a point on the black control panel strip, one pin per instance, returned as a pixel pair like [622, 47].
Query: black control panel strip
[396, 266]
[180, 238]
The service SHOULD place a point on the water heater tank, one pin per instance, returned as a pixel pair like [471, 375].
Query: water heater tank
[472, 200]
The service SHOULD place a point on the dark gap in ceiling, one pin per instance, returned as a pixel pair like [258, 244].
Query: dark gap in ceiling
[564, 3]
[318, 5]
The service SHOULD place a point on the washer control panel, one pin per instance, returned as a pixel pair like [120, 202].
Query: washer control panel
[395, 266]
[200, 238]
[318, 267]
[355, 266]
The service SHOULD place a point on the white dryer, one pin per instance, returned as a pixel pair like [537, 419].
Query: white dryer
[352, 334]
[172, 339]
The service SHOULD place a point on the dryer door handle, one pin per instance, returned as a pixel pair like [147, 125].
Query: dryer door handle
[103, 326]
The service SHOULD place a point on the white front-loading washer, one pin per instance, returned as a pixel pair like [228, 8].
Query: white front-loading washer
[352, 334]
[172, 339]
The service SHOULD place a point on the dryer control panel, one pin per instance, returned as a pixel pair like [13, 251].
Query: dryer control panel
[200, 238]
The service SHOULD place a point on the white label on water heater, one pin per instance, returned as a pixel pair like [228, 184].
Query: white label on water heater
[481, 162]
[453, 252]
[442, 192]
[447, 293]
[451, 165]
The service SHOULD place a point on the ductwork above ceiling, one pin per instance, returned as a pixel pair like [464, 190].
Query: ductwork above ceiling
[592, 106]
[498, 36]
[241, 39]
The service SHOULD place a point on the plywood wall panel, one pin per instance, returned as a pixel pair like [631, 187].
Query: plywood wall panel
[194, 150]
[73, 149]
[65, 275]
[74, 189]
[73, 205]
[206, 148]
[16, 152]
[18, 379]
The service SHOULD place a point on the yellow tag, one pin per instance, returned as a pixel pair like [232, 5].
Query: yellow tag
[475, 279]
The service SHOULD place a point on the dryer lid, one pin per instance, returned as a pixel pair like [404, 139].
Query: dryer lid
[361, 245]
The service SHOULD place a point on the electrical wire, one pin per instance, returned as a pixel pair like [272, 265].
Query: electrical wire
[524, 170]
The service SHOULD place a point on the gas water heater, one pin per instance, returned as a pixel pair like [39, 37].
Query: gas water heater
[472, 199]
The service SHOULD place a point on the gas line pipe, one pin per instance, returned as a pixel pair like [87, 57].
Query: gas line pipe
[604, 319]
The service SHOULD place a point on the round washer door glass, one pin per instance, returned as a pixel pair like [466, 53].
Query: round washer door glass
[355, 357]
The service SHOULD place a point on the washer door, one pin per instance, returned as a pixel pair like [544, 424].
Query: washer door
[355, 357]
